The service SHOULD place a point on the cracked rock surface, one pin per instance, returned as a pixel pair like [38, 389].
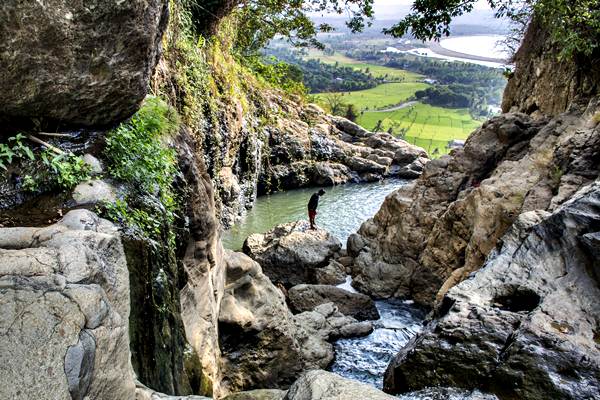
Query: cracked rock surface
[64, 308]
[526, 326]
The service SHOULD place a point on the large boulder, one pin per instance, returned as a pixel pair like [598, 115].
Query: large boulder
[64, 309]
[78, 62]
[323, 385]
[256, 330]
[262, 343]
[317, 328]
[526, 325]
[307, 297]
[290, 253]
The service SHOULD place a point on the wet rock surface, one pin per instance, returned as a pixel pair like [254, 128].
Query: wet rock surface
[64, 296]
[526, 325]
[290, 253]
[78, 62]
[356, 305]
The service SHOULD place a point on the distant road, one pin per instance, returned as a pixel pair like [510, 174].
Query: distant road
[397, 107]
[437, 48]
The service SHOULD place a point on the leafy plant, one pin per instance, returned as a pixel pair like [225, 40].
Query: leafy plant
[15, 149]
[66, 170]
[30, 184]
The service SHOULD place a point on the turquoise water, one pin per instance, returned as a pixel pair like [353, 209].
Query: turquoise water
[341, 210]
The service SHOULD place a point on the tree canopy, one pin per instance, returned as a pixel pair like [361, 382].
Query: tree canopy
[573, 24]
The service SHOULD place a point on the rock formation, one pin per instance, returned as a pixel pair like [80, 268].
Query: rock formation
[83, 63]
[262, 343]
[64, 301]
[302, 146]
[290, 253]
[356, 305]
[433, 233]
[526, 325]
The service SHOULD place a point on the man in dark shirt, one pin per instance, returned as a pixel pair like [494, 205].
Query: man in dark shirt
[313, 203]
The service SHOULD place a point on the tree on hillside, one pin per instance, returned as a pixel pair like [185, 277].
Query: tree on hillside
[335, 102]
[351, 113]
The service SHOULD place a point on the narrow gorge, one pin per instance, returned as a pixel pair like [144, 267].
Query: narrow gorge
[133, 136]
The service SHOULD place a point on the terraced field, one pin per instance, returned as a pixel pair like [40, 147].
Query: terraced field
[383, 96]
[421, 124]
[424, 125]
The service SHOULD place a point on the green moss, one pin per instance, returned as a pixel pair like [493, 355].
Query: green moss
[137, 155]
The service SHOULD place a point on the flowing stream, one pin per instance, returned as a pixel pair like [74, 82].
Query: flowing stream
[341, 211]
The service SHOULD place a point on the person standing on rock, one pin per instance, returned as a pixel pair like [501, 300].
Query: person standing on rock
[313, 203]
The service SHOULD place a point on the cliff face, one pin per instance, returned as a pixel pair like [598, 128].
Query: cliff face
[432, 234]
[526, 325]
[499, 238]
[542, 84]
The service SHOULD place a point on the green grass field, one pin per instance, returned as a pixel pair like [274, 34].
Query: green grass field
[382, 96]
[423, 125]
[426, 126]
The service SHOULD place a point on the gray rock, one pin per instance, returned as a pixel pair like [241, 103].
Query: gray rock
[64, 309]
[85, 63]
[79, 365]
[95, 164]
[323, 385]
[290, 253]
[94, 191]
[257, 336]
[307, 297]
[525, 325]
[332, 274]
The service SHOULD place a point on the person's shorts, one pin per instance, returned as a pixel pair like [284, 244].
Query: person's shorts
[312, 213]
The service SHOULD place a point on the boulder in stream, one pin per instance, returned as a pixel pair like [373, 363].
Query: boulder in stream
[290, 253]
[307, 297]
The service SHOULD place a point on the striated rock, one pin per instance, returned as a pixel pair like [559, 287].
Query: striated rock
[290, 253]
[431, 234]
[323, 385]
[84, 63]
[256, 330]
[526, 325]
[356, 305]
[64, 301]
